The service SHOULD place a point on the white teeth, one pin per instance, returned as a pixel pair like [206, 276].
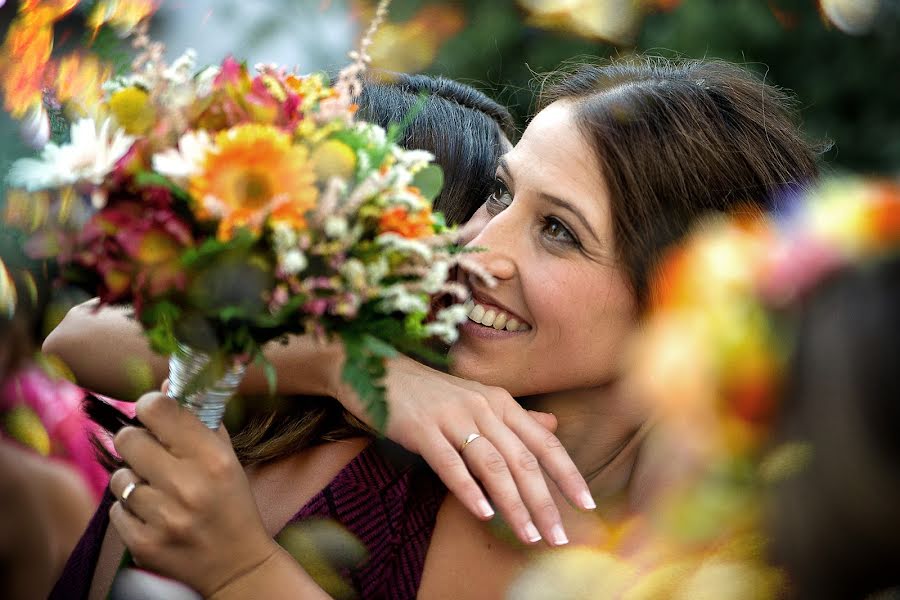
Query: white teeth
[477, 313]
[493, 318]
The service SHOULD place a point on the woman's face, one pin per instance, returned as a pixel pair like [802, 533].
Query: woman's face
[561, 310]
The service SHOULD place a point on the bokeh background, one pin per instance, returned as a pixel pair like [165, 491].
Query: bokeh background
[845, 77]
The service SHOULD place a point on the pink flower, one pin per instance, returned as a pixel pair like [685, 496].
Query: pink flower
[232, 73]
[316, 307]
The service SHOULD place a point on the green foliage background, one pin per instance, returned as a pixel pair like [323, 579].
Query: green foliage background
[848, 87]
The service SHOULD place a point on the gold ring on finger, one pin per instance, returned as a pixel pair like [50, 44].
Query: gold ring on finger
[126, 493]
[469, 439]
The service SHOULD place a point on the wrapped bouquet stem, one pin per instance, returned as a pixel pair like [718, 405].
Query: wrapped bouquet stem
[195, 382]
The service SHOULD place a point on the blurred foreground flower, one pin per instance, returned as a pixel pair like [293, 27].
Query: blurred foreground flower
[855, 17]
[614, 21]
[325, 550]
[411, 46]
[710, 360]
[27, 68]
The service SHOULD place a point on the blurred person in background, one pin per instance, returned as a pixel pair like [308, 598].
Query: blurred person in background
[46, 495]
[836, 523]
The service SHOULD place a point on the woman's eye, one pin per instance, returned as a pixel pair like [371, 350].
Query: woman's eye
[499, 199]
[555, 231]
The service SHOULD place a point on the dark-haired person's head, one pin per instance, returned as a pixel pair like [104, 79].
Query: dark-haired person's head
[465, 130]
[836, 523]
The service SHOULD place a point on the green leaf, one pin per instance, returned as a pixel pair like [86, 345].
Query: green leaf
[378, 347]
[395, 130]
[430, 181]
[364, 372]
[159, 320]
[151, 179]
[269, 370]
[440, 221]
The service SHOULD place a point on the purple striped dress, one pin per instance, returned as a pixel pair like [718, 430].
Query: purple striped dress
[387, 502]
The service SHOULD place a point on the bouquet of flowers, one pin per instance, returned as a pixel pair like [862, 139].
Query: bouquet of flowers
[231, 208]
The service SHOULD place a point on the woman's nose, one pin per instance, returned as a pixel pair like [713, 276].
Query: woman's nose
[496, 249]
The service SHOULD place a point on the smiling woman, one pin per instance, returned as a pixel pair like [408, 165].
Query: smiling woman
[621, 161]
[617, 166]
[551, 250]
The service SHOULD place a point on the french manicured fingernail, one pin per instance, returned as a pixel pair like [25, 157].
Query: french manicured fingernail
[531, 533]
[484, 509]
[558, 535]
[587, 501]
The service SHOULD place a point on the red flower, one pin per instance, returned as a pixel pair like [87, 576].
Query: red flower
[134, 247]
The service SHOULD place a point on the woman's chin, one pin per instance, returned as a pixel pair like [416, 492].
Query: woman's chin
[491, 371]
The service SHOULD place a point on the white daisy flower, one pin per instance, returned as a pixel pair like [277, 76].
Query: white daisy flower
[205, 80]
[376, 134]
[446, 325]
[354, 273]
[181, 163]
[377, 270]
[90, 156]
[111, 86]
[182, 70]
[398, 298]
[36, 127]
[398, 243]
[414, 160]
[437, 277]
[284, 237]
[293, 261]
[336, 227]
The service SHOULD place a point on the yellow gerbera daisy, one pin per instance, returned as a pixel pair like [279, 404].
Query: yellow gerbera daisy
[253, 170]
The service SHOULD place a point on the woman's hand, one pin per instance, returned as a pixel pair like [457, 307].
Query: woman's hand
[432, 414]
[192, 515]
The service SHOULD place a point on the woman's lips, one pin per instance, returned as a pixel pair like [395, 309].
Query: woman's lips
[490, 321]
[486, 311]
[470, 328]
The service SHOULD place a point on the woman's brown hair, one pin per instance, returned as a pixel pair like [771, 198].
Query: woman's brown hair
[676, 139]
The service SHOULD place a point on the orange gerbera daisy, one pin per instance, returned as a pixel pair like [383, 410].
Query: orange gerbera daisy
[254, 171]
[24, 59]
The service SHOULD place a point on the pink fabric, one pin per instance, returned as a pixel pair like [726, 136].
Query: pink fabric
[57, 404]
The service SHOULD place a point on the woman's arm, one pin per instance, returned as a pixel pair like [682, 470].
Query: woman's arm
[433, 414]
[430, 413]
[279, 576]
[108, 353]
